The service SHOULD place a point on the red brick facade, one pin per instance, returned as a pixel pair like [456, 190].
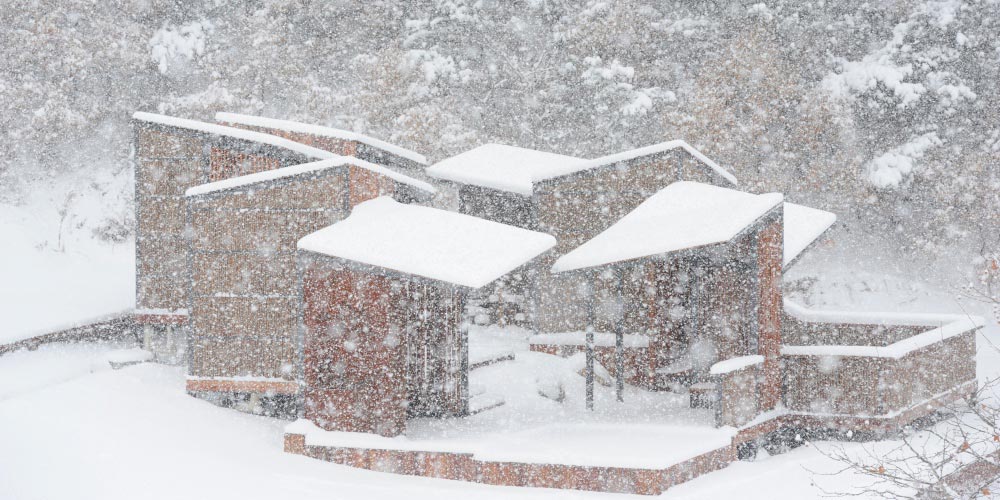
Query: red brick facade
[769, 255]
[351, 360]
[465, 467]
[379, 349]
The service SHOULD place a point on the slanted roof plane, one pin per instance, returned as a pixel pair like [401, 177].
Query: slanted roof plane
[235, 133]
[803, 226]
[681, 216]
[304, 168]
[429, 242]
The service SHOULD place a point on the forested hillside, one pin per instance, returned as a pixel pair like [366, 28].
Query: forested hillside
[887, 113]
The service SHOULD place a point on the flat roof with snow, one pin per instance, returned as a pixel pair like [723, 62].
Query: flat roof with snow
[505, 168]
[236, 133]
[429, 242]
[305, 168]
[681, 216]
[517, 170]
[803, 226]
[305, 128]
[652, 150]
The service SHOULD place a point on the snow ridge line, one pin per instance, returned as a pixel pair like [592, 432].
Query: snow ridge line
[235, 133]
[304, 168]
[305, 128]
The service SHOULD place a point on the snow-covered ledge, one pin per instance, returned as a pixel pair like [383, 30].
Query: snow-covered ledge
[579, 338]
[738, 387]
[805, 314]
[735, 364]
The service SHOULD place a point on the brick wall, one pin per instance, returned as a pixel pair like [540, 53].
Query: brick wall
[769, 259]
[577, 207]
[331, 144]
[465, 467]
[858, 385]
[355, 365]
[168, 161]
[380, 348]
[245, 292]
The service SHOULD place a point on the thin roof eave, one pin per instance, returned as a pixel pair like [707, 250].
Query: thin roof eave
[311, 168]
[418, 277]
[233, 133]
[320, 130]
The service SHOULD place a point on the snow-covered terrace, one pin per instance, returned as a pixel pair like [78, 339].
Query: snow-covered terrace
[319, 130]
[429, 242]
[543, 418]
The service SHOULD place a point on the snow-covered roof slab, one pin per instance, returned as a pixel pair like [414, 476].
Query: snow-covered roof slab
[429, 242]
[803, 225]
[505, 168]
[655, 149]
[517, 170]
[681, 216]
[305, 128]
[236, 133]
[305, 168]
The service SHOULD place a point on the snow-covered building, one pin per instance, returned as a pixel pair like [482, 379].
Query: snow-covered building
[219, 212]
[570, 198]
[171, 155]
[695, 270]
[322, 269]
[244, 297]
[385, 293]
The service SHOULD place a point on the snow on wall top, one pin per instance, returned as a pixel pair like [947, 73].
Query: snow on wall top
[654, 149]
[735, 364]
[803, 225]
[304, 168]
[947, 326]
[805, 314]
[305, 128]
[683, 215]
[506, 168]
[429, 242]
[236, 133]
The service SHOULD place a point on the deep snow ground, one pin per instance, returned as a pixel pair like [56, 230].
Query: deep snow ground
[95, 433]
[70, 427]
[53, 272]
[134, 433]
